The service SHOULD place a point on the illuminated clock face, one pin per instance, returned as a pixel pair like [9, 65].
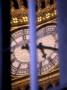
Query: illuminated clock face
[47, 56]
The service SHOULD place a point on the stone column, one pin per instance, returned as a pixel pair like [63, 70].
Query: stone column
[46, 3]
[32, 45]
[20, 3]
[44, 85]
[54, 1]
[53, 84]
[39, 4]
[11, 4]
[12, 7]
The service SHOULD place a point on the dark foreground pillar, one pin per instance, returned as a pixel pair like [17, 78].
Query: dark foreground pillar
[62, 36]
[0, 46]
[6, 70]
[32, 44]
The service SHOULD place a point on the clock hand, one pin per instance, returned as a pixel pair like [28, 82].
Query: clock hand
[25, 47]
[42, 50]
[41, 46]
[44, 54]
[51, 48]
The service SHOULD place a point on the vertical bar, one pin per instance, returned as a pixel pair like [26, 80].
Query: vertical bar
[46, 3]
[62, 35]
[6, 72]
[32, 45]
[0, 45]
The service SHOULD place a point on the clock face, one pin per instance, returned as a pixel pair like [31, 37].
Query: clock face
[47, 56]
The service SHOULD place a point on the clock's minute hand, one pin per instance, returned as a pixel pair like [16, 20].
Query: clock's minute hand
[41, 46]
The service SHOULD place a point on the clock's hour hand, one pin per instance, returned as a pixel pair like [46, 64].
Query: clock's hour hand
[25, 47]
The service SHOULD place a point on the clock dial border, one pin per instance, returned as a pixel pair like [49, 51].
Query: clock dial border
[27, 63]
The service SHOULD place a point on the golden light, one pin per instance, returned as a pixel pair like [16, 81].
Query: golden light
[52, 14]
[47, 15]
[55, 12]
[43, 18]
[25, 18]
[15, 20]
[39, 19]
